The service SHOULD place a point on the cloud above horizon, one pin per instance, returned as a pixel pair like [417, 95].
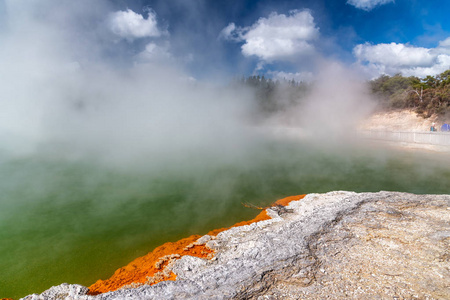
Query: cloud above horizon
[278, 37]
[368, 5]
[130, 25]
[409, 60]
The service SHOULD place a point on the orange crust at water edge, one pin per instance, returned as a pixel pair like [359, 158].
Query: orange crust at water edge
[149, 269]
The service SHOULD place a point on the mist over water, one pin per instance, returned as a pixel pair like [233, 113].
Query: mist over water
[59, 96]
[65, 221]
[78, 221]
[103, 158]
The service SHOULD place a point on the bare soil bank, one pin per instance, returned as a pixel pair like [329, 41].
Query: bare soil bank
[404, 121]
[401, 120]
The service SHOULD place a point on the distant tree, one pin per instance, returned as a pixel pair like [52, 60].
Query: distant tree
[431, 82]
[444, 78]
[274, 96]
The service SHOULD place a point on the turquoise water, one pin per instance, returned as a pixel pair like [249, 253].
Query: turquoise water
[78, 220]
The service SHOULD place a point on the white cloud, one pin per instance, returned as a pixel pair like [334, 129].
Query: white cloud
[367, 4]
[278, 37]
[444, 46]
[130, 25]
[403, 58]
[230, 33]
[395, 55]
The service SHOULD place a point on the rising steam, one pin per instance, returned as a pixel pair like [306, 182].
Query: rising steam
[57, 95]
[337, 104]
[74, 92]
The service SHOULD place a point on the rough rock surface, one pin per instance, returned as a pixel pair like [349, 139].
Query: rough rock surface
[339, 245]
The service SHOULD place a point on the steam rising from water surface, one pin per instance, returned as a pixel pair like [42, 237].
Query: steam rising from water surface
[57, 94]
[333, 108]
[68, 88]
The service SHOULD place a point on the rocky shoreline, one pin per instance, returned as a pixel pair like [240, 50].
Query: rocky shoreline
[339, 245]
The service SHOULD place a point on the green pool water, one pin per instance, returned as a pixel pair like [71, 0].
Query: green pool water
[77, 221]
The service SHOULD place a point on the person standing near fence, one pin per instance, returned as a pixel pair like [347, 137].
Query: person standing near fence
[433, 127]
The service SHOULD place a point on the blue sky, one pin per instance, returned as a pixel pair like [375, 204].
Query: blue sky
[224, 38]
[417, 27]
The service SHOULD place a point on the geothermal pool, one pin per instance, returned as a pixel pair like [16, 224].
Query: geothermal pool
[77, 220]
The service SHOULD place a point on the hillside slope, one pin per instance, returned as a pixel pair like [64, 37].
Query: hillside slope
[401, 120]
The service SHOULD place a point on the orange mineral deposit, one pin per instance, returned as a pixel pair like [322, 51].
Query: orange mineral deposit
[150, 269]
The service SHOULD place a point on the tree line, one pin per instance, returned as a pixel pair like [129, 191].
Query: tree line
[274, 95]
[429, 95]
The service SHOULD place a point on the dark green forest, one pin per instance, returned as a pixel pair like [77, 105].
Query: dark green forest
[427, 96]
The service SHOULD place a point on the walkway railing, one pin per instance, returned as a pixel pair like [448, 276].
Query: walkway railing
[433, 138]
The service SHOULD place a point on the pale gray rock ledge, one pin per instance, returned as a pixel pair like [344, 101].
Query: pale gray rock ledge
[339, 245]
